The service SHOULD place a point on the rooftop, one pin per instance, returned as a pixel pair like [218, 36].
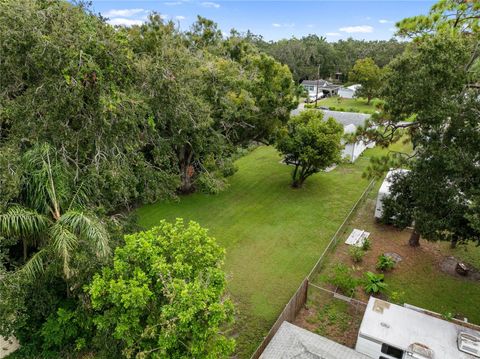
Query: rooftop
[403, 327]
[321, 83]
[291, 341]
[347, 118]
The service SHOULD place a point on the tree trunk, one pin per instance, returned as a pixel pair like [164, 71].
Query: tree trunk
[25, 250]
[453, 243]
[186, 170]
[368, 99]
[414, 240]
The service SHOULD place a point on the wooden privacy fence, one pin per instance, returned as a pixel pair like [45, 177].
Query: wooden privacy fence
[299, 299]
[288, 314]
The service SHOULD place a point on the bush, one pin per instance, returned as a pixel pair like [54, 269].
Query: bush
[374, 283]
[165, 293]
[357, 254]
[385, 263]
[343, 279]
[210, 183]
[367, 244]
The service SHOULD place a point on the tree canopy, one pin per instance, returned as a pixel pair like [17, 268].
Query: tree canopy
[310, 144]
[165, 294]
[368, 75]
[430, 97]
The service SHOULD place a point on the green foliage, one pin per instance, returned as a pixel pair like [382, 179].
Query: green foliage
[165, 293]
[367, 244]
[310, 144]
[374, 284]
[342, 277]
[385, 263]
[303, 56]
[430, 98]
[367, 74]
[356, 254]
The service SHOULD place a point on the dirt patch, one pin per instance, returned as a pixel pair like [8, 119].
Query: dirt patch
[448, 265]
[332, 318]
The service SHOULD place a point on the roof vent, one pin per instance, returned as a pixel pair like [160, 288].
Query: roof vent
[419, 351]
[468, 343]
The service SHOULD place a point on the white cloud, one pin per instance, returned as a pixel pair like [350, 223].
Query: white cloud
[172, 3]
[384, 21]
[180, 17]
[123, 12]
[290, 24]
[392, 29]
[210, 4]
[124, 22]
[357, 29]
[164, 17]
[310, 26]
[333, 34]
[368, 18]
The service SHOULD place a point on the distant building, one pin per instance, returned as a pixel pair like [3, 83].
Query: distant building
[350, 122]
[325, 88]
[348, 92]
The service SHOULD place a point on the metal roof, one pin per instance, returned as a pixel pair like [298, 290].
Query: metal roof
[403, 327]
[291, 342]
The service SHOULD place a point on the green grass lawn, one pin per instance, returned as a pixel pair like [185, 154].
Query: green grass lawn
[348, 104]
[273, 234]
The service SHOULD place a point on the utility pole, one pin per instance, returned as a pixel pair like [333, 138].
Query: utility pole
[318, 84]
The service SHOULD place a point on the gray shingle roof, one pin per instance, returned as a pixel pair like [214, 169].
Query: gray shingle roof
[291, 342]
[347, 118]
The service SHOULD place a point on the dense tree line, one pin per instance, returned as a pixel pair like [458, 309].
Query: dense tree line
[95, 120]
[310, 55]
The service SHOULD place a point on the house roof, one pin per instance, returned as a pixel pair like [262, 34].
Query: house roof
[321, 83]
[291, 342]
[347, 118]
[404, 327]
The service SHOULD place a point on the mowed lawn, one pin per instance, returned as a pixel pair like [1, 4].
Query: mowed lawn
[348, 104]
[273, 234]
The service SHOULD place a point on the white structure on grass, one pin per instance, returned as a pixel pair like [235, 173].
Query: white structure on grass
[384, 190]
[350, 122]
[390, 331]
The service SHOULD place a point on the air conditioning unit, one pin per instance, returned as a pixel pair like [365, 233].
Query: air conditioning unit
[419, 351]
[469, 344]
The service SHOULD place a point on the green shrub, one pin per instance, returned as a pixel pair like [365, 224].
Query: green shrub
[357, 254]
[367, 244]
[374, 284]
[385, 263]
[332, 108]
[342, 278]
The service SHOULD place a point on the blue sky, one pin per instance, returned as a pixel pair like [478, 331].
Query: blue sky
[335, 19]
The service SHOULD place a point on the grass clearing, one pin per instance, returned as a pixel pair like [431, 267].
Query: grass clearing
[273, 234]
[348, 104]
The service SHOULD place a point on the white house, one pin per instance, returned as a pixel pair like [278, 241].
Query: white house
[390, 331]
[384, 190]
[348, 92]
[321, 87]
[350, 122]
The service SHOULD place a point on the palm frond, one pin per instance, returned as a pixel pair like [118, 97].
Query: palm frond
[89, 229]
[63, 243]
[35, 265]
[22, 222]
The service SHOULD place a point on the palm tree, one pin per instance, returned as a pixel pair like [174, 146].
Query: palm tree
[51, 218]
